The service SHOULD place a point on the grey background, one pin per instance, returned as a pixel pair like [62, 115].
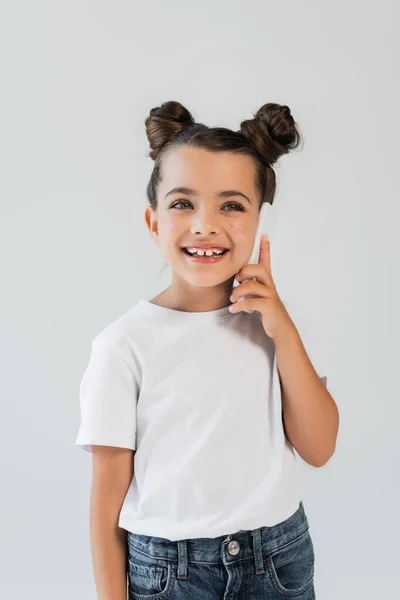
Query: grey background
[78, 79]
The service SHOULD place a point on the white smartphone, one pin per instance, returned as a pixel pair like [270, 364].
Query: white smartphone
[266, 224]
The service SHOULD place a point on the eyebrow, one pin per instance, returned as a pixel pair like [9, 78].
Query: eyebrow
[190, 192]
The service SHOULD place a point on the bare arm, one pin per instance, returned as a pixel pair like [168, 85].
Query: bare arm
[112, 475]
[310, 414]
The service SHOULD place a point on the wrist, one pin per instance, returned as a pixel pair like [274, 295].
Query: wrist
[289, 334]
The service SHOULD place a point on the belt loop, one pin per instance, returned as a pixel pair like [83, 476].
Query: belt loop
[182, 559]
[257, 551]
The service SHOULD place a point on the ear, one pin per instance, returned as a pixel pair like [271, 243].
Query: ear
[150, 218]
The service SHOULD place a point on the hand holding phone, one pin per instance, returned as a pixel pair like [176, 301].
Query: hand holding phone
[266, 224]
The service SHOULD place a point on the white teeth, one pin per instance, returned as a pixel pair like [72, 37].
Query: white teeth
[201, 252]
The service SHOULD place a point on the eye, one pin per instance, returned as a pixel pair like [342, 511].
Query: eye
[238, 206]
[180, 202]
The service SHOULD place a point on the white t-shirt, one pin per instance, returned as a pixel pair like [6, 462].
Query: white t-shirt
[198, 397]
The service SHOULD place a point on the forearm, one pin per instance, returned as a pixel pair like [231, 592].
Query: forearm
[109, 552]
[310, 415]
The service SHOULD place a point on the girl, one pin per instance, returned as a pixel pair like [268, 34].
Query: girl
[190, 405]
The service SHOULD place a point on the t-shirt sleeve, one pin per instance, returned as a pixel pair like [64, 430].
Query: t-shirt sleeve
[108, 397]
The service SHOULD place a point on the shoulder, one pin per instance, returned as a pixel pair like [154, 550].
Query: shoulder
[120, 337]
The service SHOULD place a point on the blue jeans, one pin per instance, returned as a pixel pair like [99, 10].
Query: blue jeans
[263, 564]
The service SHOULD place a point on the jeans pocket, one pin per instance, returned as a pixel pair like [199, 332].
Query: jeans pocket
[291, 567]
[149, 578]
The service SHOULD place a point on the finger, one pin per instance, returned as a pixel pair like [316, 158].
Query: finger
[265, 253]
[250, 287]
[258, 271]
[247, 304]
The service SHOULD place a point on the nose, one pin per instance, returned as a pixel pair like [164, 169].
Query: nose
[205, 223]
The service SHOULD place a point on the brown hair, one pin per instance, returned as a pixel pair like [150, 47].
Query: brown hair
[270, 134]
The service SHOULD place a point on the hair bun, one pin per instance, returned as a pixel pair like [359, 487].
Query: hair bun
[272, 132]
[164, 122]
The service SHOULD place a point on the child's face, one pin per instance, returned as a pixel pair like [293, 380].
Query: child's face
[182, 219]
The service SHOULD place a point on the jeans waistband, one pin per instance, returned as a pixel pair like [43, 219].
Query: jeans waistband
[225, 549]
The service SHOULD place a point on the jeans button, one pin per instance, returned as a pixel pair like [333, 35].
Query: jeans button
[233, 547]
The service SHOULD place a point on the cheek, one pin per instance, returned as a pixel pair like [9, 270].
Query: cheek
[171, 227]
[237, 228]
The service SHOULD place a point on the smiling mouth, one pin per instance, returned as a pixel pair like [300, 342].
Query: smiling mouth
[205, 259]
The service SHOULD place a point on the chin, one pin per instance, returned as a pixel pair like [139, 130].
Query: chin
[206, 280]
